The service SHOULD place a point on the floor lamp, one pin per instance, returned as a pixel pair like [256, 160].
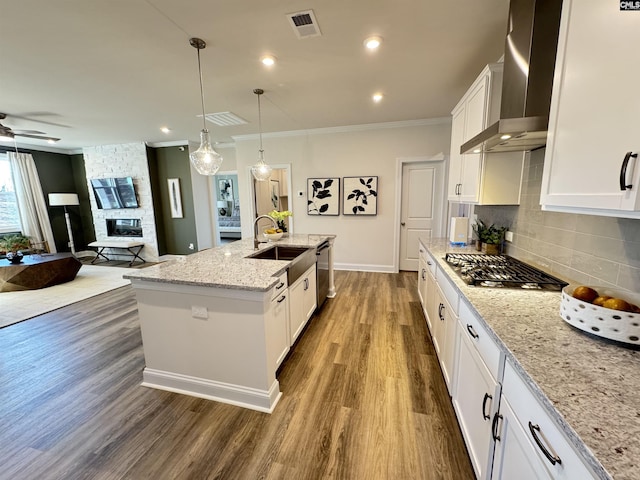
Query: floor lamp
[63, 200]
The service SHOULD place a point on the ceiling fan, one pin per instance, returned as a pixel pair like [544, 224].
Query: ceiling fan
[6, 133]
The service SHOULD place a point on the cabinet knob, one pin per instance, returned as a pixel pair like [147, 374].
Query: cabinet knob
[403, 224]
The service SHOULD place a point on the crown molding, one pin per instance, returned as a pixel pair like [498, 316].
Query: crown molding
[348, 128]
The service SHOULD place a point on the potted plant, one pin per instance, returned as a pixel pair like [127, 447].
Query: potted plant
[493, 239]
[480, 230]
[279, 218]
[12, 246]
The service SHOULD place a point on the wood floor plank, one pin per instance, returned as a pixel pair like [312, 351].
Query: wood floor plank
[363, 398]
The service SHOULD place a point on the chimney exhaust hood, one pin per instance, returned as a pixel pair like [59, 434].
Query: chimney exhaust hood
[529, 61]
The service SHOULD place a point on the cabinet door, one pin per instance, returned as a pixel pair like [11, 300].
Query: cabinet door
[444, 331]
[431, 307]
[303, 302]
[471, 173]
[297, 318]
[594, 118]
[476, 108]
[422, 282]
[474, 400]
[277, 329]
[309, 288]
[515, 456]
[455, 158]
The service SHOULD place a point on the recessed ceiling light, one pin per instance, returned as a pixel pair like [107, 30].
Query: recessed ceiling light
[506, 136]
[372, 42]
[165, 129]
[268, 60]
[377, 97]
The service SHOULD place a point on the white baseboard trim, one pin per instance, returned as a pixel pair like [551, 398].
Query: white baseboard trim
[254, 399]
[356, 267]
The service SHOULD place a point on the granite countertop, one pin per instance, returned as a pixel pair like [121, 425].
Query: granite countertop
[227, 266]
[591, 387]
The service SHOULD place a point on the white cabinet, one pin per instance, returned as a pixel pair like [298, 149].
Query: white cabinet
[525, 431]
[594, 118]
[476, 390]
[277, 329]
[515, 455]
[302, 302]
[444, 327]
[484, 179]
[427, 284]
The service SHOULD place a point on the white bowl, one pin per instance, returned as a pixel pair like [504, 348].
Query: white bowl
[272, 237]
[604, 322]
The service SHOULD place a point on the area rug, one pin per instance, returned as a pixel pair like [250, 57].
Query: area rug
[91, 281]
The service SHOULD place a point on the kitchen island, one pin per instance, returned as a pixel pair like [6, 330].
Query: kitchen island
[216, 324]
[589, 387]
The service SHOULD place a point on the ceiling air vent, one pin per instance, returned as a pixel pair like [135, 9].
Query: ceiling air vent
[304, 24]
[224, 119]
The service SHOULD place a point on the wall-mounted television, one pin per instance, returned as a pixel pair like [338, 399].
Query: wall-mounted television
[114, 193]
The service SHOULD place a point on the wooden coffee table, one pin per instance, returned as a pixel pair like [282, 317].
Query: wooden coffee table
[38, 271]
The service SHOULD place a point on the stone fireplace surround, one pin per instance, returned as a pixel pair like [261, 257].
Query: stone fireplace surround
[126, 160]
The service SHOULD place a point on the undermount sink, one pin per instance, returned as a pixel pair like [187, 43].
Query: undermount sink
[301, 259]
[279, 252]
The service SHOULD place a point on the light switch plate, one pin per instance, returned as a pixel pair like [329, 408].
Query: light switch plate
[199, 312]
[508, 236]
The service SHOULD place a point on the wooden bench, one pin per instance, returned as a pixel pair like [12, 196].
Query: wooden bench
[133, 249]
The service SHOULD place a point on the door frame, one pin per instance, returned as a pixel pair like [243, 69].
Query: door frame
[400, 162]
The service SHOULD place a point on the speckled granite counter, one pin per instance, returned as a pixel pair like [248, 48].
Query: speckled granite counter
[592, 388]
[227, 266]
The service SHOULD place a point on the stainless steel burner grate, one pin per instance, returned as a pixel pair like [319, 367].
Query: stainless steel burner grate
[500, 271]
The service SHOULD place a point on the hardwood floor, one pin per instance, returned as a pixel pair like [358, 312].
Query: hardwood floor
[363, 398]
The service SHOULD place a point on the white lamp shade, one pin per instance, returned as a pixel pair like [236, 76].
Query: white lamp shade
[63, 199]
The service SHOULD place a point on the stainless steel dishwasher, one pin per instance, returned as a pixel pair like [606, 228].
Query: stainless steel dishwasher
[322, 272]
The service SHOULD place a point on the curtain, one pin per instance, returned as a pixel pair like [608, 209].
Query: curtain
[31, 204]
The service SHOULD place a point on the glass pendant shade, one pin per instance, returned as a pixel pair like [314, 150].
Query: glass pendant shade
[205, 159]
[261, 171]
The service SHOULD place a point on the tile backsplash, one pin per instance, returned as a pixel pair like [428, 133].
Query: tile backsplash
[584, 248]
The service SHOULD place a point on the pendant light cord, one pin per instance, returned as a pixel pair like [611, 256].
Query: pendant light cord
[204, 120]
[260, 122]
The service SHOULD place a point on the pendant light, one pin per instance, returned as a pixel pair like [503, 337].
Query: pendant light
[205, 159]
[261, 171]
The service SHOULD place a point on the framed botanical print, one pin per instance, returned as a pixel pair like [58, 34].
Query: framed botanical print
[360, 196]
[323, 196]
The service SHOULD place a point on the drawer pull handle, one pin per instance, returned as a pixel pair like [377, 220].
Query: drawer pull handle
[280, 286]
[472, 332]
[494, 426]
[440, 309]
[424, 274]
[484, 406]
[551, 457]
[429, 263]
[306, 284]
[623, 171]
[282, 298]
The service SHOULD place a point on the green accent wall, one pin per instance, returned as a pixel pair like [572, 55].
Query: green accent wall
[58, 173]
[174, 234]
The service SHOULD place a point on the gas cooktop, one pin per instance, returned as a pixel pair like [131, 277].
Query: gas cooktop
[500, 271]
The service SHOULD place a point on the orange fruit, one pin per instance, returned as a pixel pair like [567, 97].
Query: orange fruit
[586, 294]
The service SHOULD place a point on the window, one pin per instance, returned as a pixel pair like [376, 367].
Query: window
[9, 217]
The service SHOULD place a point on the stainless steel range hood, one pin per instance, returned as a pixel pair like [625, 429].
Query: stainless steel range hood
[529, 61]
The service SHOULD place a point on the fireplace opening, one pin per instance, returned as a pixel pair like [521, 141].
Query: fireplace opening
[124, 227]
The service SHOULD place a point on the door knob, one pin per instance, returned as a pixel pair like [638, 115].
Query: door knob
[403, 224]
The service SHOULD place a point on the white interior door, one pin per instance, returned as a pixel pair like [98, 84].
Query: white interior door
[421, 208]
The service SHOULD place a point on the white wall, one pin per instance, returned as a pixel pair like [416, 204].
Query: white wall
[363, 243]
[127, 160]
